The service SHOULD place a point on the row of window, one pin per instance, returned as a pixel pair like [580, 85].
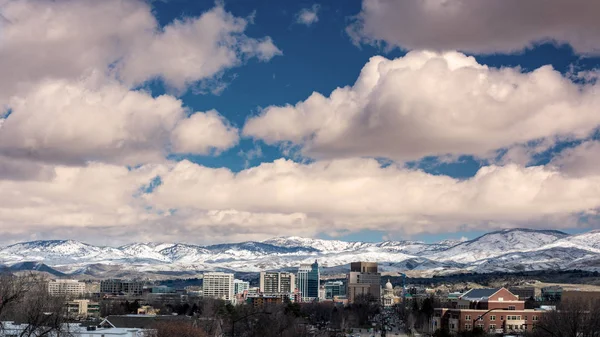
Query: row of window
[510, 318]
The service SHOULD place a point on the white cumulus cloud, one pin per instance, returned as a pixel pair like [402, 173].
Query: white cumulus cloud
[73, 122]
[479, 26]
[432, 104]
[68, 38]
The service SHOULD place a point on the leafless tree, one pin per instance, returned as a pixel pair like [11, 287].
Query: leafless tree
[575, 318]
[175, 329]
[25, 300]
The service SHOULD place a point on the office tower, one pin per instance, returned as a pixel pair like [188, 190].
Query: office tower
[308, 281]
[116, 286]
[240, 286]
[218, 285]
[276, 282]
[334, 288]
[364, 279]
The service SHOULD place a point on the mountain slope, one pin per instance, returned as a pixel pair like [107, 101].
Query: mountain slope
[505, 250]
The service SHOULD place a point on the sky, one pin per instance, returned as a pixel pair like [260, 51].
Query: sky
[208, 122]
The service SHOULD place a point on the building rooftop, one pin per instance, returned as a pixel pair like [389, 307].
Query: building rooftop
[479, 294]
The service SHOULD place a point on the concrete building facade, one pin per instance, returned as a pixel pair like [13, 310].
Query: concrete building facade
[277, 282]
[363, 279]
[66, 287]
[218, 285]
[117, 286]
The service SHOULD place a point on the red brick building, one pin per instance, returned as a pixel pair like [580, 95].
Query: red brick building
[493, 310]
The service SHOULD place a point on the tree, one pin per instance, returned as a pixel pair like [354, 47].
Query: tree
[175, 329]
[25, 300]
[575, 318]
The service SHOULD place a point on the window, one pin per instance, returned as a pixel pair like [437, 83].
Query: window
[501, 318]
[511, 307]
[525, 317]
[510, 327]
[468, 317]
[493, 318]
[492, 327]
[467, 326]
[535, 318]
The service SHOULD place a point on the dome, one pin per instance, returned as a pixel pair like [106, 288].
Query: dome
[389, 286]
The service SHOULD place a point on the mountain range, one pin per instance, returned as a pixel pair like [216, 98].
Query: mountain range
[500, 251]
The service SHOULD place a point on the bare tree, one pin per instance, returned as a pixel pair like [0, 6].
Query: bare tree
[175, 329]
[25, 300]
[576, 318]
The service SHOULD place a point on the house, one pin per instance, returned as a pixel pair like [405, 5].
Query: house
[495, 310]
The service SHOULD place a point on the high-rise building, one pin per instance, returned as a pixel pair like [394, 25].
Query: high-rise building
[65, 287]
[276, 282]
[334, 288]
[364, 279]
[218, 285]
[116, 286]
[240, 286]
[308, 281]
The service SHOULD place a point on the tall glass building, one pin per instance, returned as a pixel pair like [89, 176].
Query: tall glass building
[308, 281]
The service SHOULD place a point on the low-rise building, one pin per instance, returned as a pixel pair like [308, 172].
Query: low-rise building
[493, 310]
[334, 288]
[81, 309]
[147, 310]
[261, 300]
[524, 293]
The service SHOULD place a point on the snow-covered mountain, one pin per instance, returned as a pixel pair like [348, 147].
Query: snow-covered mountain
[506, 250]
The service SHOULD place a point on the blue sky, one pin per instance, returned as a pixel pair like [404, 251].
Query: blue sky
[111, 109]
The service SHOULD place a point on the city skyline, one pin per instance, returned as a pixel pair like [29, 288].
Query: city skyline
[361, 120]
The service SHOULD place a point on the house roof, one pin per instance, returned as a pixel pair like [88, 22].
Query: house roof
[479, 294]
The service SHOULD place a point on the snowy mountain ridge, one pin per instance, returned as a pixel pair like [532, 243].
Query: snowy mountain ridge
[505, 250]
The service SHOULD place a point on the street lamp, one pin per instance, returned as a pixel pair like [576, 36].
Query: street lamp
[244, 317]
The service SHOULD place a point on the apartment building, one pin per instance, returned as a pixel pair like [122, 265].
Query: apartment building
[495, 310]
[363, 279]
[218, 285]
[126, 287]
[66, 287]
[277, 282]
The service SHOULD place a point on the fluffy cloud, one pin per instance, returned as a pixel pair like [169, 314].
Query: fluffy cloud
[432, 104]
[95, 119]
[67, 38]
[308, 16]
[305, 199]
[581, 160]
[479, 26]
[202, 132]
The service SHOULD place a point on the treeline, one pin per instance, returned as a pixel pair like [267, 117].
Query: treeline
[485, 279]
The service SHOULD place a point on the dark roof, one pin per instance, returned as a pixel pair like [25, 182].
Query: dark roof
[479, 294]
[143, 321]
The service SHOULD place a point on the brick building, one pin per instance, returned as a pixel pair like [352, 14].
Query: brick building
[494, 310]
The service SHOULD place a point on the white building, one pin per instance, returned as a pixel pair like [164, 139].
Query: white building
[240, 286]
[218, 285]
[66, 287]
[277, 282]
